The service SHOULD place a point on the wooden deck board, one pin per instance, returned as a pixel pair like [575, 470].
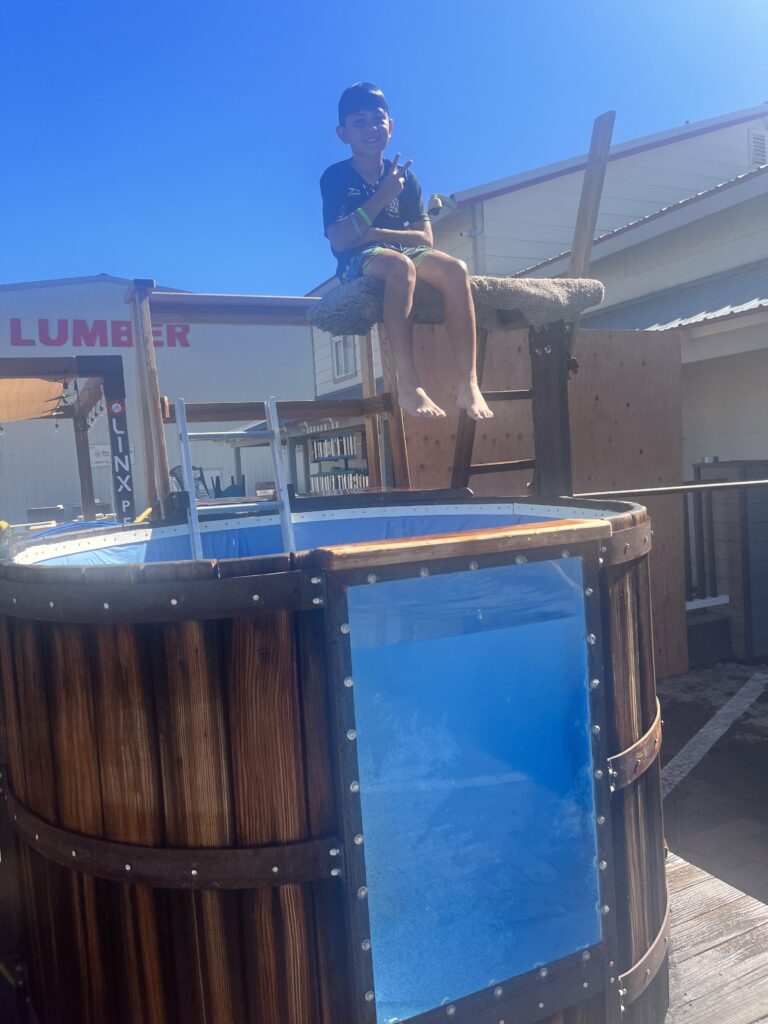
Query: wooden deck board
[719, 950]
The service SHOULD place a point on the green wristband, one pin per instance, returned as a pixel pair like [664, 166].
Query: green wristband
[365, 216]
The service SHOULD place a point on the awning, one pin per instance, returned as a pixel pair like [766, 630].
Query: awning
[28, 398]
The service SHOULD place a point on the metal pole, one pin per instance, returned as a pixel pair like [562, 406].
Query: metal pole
[281, 483]
[189, 480]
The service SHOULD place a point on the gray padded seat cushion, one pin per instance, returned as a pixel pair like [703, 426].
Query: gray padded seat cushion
[501, 303]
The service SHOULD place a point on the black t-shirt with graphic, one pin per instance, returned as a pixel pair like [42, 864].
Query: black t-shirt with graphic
[343, 190]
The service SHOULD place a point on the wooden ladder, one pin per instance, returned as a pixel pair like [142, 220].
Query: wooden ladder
[550, 351]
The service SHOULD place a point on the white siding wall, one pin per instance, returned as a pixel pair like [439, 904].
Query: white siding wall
[730, 238]
[38, 464]
[534, 223]
[725, 408]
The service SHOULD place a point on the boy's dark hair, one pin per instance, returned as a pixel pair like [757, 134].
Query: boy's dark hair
[361, 96]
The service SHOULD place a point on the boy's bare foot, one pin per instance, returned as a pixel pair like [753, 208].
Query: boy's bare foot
[416, 402]
[471, 399]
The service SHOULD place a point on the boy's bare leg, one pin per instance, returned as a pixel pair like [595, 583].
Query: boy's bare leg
[399, 276]
[450, 277]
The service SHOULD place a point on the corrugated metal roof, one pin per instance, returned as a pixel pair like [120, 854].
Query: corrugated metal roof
[710, 298]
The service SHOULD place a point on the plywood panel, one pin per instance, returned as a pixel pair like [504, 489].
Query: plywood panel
[626, 432]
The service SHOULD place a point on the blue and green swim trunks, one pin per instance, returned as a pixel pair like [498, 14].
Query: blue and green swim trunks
[360, 264]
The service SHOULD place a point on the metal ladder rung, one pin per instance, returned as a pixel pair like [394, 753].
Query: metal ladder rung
[501, 467]
[518, 395]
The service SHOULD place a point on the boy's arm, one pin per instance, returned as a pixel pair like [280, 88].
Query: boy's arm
[347, 233]
[419, 233]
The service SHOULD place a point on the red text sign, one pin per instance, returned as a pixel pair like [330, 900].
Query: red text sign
[63, 333]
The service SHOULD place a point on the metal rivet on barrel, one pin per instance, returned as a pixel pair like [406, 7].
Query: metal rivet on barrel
[351, 734]
[605, 909]
[603, 550]
[316, 580]
[354, 787]
[369, 997]
[372, 577]
[37, 837]
[450, 1010]
[541, 1006]
[591, 638]
[424, 571]
[317, 600]
[626, 549]
[473, 565]
[335, 872]
[548, 349]
[14, 600]
[520, 559]
[498, 991]
[74, 853]
[275, 869]
[603, 865]
[344, 627]
[358, 840]
[586, 955]
[594, 684]
[51, 604]
[596, 730]
[193, 872]
[601, 820]
[362, 892]
[349, 681]
[255, 597]
[334, 851]
[612, 981]
[585, 984]
[174, 601]
[543, 972]
[106, 605]
[366, 944]
[588, 592]
[565, 553]
[599, 773]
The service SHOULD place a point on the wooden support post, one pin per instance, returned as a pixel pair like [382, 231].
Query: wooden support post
[85, 472]
[589, 203]
[372, 429]
[465, 429]
[156, 471]
[400, 468]
[549, 350]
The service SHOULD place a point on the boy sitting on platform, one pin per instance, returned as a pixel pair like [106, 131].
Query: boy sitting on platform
[375, 221]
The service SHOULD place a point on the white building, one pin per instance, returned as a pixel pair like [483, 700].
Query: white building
[199, 362]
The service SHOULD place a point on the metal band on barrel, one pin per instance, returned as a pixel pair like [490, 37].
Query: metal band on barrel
[637, 979]
[178, 868]
[633, 762]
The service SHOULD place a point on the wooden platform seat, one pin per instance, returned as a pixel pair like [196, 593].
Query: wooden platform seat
[500, 303]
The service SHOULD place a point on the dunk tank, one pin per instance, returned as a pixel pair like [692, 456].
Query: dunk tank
[406, 773]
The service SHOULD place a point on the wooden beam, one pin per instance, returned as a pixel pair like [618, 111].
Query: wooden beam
[85, 472]
[156, 471]
[591, 192]
[372, 423]
[400, 468]
[258, 310]
[320, 409]
[21, 368]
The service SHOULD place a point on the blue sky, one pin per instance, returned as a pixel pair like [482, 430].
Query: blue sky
[184, 141]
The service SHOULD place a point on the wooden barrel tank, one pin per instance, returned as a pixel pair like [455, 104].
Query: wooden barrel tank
[228, 804]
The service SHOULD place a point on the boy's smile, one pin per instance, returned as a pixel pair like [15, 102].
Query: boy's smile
[366, 132]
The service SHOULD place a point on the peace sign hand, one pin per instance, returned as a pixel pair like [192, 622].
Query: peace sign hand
[394, 181]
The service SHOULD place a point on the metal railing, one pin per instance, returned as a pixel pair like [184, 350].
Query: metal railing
[698, 526]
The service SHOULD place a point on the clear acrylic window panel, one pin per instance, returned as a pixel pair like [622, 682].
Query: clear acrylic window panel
[472, 714]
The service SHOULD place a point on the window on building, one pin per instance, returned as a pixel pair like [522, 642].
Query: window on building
[344, 356]
[758, 148]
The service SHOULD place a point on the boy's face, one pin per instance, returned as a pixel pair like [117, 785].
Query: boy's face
[366, 132]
